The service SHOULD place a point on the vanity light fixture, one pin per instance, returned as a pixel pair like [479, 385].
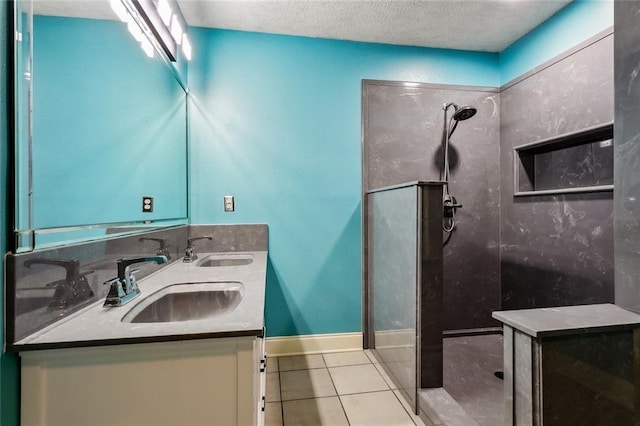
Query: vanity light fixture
[159, 19]
[176, 29]
[147, 47]
[151, 17]
[165, 11]
[120, 10]
[134, 30]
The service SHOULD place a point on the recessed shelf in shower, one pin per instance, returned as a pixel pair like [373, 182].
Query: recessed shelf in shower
[580, 161]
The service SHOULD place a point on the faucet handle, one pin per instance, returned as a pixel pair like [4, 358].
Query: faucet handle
[116, 292]
[130, 283]
[115, 280]
[190, 252]
[124, 287]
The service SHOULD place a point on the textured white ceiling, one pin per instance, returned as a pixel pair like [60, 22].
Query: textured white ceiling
[94, 9]
[484, 25]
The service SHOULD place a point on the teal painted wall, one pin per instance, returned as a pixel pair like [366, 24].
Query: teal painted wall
[575, 23]
[9, 381]
[275, 121]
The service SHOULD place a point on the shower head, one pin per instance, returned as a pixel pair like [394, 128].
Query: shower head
[464, 112]
[460, 113]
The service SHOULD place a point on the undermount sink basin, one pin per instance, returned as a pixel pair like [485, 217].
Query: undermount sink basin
[187, 302]
[225, 260]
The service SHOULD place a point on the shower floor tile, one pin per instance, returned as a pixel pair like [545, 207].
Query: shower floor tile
[469, 366]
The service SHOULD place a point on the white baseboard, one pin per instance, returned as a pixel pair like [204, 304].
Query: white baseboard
[313, 344]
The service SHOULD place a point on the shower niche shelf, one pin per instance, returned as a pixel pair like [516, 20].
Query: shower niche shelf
[580, 161]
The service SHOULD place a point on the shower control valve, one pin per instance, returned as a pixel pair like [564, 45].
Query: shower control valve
[450, 205]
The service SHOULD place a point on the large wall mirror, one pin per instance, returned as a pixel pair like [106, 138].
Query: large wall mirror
[100, 124]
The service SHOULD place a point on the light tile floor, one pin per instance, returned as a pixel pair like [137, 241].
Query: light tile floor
[345, 388]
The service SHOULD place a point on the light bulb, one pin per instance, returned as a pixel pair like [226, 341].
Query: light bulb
[165, 12]
[134, 29]
[120, 10]
[147, 47]
[176, 29]
[186, 47]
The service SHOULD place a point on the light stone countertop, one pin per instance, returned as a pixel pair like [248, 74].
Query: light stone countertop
[565, 320]
[96, 325]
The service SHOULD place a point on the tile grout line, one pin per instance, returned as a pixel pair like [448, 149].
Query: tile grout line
[280, 391]
[405, 408]
[337, 394]
[370, 362]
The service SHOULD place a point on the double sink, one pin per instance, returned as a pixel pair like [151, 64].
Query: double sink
[188, 301]
[220, 294]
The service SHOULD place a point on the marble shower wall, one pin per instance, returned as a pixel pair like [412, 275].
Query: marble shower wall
[402, 143]
[627, 155]
[557, 249]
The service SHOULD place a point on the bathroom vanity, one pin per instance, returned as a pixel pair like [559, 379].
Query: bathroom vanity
[208, 381]
[188, 350]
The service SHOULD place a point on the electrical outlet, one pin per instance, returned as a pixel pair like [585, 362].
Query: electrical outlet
[229, 204]
[147, 204]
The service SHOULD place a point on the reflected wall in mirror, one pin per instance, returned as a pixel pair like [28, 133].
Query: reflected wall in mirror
[108, 127]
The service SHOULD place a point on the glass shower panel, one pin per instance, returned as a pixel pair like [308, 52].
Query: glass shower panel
[393, 270]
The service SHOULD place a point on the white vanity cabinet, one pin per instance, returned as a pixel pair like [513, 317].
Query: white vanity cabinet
[217, 381]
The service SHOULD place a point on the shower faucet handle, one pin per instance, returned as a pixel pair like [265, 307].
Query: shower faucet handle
[450, 205]
[450, 201]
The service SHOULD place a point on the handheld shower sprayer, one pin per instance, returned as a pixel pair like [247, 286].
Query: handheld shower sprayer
[450, 204]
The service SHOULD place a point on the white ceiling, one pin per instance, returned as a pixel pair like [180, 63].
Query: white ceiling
[483, 25]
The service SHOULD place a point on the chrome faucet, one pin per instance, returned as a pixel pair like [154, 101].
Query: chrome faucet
[190, 252]
[74, 288]
[124, 287]
[163, 249]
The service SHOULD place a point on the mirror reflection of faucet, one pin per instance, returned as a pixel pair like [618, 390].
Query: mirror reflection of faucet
[124, 288]
[163, 249]
[74, 288]
[190, 252]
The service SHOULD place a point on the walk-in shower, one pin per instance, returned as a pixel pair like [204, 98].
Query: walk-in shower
[450, 204]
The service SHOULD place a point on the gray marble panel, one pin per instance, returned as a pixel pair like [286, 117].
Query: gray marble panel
[627, 155]
[544, 322]
[556, 250]
[402, 142]
[469, 367]
[431, 286]
[575, 167]
[393, 270]
[507, 356]
[442, 409]
[522, 379]
[226, 238]
[36, 289]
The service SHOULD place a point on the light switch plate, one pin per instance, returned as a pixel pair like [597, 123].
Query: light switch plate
[229, 204]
